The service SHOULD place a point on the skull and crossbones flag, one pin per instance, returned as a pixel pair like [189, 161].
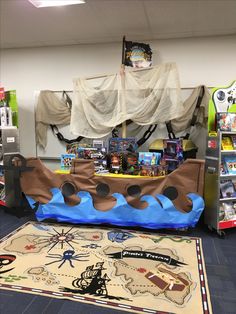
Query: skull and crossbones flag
[137, 55]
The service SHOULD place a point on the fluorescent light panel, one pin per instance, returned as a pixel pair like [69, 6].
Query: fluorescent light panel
[54, 3]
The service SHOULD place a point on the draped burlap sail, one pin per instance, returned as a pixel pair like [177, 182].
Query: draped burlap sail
[50, 110]
[146, 97]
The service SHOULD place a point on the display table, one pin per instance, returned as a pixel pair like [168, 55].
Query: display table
[113, 175]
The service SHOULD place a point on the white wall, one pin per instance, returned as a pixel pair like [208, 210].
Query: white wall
[210, 61]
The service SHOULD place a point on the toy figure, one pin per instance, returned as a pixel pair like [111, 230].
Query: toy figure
[153, 160]
[116, 163]
[115, 160]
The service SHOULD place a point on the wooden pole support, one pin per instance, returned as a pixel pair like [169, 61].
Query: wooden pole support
[122, 73]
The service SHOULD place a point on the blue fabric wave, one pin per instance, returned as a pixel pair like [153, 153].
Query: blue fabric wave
[161, 212]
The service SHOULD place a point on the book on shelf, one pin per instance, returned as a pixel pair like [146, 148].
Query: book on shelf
[226, 143]
[233, 122]
[227, 189]
[230, 164]
[227, 211]
[233, 137]
[223, 120]
[226, 121]
[223, 169]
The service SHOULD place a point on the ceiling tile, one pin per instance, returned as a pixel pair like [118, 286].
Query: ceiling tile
[104, 21]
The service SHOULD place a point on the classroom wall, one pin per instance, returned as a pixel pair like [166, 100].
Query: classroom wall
[210, 61]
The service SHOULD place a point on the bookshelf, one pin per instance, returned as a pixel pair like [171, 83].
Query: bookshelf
[220, 183]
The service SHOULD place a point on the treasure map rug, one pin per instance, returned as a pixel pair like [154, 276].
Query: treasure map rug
[127, 270]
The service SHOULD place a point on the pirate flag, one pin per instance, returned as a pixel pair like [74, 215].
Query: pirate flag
[137, 55]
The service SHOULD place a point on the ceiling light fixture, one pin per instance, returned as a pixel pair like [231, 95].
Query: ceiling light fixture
[54, 3]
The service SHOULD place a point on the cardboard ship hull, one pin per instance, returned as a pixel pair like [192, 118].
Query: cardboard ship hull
[38, 185]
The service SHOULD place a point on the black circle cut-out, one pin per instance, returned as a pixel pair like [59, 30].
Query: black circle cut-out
[134, 190]
[171, 192]
[68, 189]
[102, 189]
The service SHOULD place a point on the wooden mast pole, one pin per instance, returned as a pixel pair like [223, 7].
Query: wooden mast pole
[122, 73]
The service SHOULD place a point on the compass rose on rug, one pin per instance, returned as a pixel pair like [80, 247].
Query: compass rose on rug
[60, 238]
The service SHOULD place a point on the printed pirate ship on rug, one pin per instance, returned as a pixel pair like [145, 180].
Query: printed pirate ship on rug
[137, 272]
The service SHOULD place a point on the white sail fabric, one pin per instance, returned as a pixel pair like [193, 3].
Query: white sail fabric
[146, 97]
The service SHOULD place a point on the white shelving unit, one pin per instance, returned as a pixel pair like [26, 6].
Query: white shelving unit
[213, 178]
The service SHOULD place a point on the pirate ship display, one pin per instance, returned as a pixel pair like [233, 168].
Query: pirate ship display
[174, 200]
[84, 197]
